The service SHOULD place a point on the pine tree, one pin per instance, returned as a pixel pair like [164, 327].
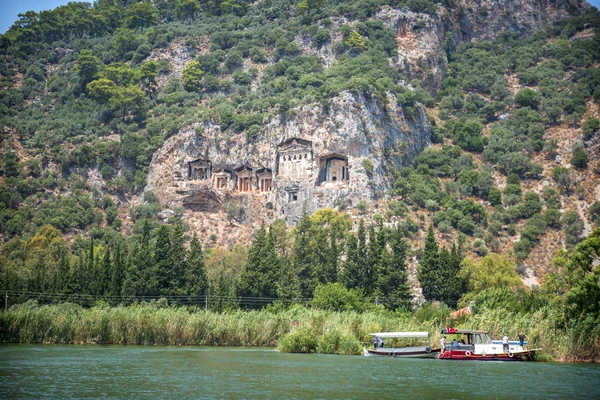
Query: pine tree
[429, 275]
[196, 279]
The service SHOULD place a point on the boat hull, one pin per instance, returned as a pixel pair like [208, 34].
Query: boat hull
[406, 352]
[468, 356]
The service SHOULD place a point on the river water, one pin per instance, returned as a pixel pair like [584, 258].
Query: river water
[56, 371]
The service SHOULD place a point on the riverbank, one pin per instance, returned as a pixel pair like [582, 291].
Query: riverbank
[297, 329]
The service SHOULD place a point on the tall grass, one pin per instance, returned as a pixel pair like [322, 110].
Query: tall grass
[297, 329]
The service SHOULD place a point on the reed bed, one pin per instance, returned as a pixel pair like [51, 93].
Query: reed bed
[297, 329]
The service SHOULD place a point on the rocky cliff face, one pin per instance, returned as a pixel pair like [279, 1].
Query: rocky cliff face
[335, 155]
[423, 39]
[311, 158]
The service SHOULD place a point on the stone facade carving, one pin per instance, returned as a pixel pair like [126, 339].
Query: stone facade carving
[315, 158]
[333, 168]
[245, 181]
[264, 178]
[294, 159]
[200, 169]
[222, 179]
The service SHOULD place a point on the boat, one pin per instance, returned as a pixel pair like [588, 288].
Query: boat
[401, 351]
[479, 346]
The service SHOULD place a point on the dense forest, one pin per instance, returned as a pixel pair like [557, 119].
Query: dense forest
[83, 88]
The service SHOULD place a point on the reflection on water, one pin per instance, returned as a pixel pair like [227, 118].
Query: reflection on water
[34, 371]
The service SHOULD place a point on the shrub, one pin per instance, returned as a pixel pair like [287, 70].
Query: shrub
[302, 340]
[579, 158]
[368, 165]
[334, 296]
[335, 342]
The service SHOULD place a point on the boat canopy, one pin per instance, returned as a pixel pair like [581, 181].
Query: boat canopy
[400, 334]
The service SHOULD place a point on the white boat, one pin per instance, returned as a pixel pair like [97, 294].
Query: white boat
[396, 350]
[479, 346]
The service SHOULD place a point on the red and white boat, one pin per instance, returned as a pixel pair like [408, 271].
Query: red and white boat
[395, 347]
[479, 346]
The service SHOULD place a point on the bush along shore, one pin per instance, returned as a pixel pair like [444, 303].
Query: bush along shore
[296, 329]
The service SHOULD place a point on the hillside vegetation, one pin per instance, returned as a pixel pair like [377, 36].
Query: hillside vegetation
[89, 93]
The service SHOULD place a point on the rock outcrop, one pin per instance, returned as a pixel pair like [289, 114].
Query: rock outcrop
[312, 157]
[423, 39]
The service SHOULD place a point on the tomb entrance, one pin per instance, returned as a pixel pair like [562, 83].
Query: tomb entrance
[294, 159]
[333, 168]
[199, 169]
[244, 179]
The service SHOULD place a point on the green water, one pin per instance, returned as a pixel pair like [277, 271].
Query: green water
[52, 371]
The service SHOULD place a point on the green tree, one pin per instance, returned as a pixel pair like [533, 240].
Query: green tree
[562, 177]
[101, 90]
[187, 9]
[196, 278]
[392, 276]
[192, 77]
[579, 158]
[259, 278]
[117, 270]
[162, 261]
[429, 275]
[87, 66]
[301, 257]
[141, 15]
[351, 274]
[129, 98]
[178, 255]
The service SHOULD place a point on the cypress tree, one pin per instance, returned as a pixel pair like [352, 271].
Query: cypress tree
[163, 272]
[270, 267]
[139, 278]
[178, 255]
[392, 283]
[117, 270]
[320, 255]
[362, 252]
[196, 279]
[351, 276]
[375, 254]
[302, 256]
[333, 256]
[133, 284]
[106, 272]
[429, 274]
[250, 279]
[64, 271]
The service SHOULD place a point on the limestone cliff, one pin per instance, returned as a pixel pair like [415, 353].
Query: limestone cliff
[423, 39]
[312, 157]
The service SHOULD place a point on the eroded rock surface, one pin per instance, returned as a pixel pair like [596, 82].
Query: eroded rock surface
[311, 158]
